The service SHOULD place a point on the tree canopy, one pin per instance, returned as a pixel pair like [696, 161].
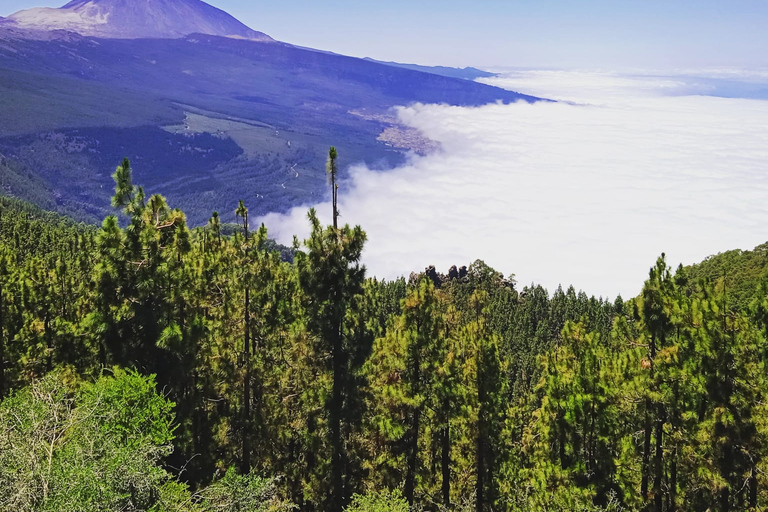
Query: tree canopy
[147, 365]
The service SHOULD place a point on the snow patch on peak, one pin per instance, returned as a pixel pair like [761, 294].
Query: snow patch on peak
[46, 18]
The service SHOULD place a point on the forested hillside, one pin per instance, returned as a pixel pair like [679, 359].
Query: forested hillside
[742, 273]
[145, 365]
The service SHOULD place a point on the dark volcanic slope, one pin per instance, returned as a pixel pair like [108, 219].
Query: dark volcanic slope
[282, 106]
[136, 19]
[277, 74]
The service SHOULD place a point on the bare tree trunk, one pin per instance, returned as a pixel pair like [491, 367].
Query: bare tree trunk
[337, 449]
[658, 465]
[673, 483]
[446, 463]
[335, 206]
[646, 455]
[413, 456]
[725, 499]
[413, 441]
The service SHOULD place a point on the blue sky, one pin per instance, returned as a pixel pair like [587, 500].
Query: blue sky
[604, 34]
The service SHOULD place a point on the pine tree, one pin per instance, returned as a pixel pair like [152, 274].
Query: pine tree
[245, 465]
[490, 390]
[403, 373]
[331, 276]
[655, 315]
[332, 169]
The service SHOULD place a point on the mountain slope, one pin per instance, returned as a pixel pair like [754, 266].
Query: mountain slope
[208, 117]
[464, 73]
[132, 19]
[204, 119]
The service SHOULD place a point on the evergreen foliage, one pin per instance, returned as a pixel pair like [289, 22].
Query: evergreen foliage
[145, 365]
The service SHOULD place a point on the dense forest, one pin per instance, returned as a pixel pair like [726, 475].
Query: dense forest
[147, 366]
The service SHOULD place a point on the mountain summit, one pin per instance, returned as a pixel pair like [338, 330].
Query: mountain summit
[135, 19]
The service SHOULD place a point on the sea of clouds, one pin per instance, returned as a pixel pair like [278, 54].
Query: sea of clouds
[587, 191]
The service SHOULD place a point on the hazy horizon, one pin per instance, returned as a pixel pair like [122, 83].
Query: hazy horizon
[597, 34]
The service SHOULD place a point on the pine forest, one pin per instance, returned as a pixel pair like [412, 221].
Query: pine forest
[149, 366]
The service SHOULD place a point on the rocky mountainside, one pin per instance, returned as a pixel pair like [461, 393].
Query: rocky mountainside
[134, 19]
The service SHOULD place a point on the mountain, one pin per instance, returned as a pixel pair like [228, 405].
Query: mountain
[463, 73]
[206, 120]
[132, 19]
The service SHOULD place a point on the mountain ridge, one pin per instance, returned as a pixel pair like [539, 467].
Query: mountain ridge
[135, 19]
[466, 73]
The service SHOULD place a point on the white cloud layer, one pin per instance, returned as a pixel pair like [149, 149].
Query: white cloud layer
[588, 193]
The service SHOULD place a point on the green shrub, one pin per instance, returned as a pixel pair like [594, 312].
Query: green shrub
[381, 501]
